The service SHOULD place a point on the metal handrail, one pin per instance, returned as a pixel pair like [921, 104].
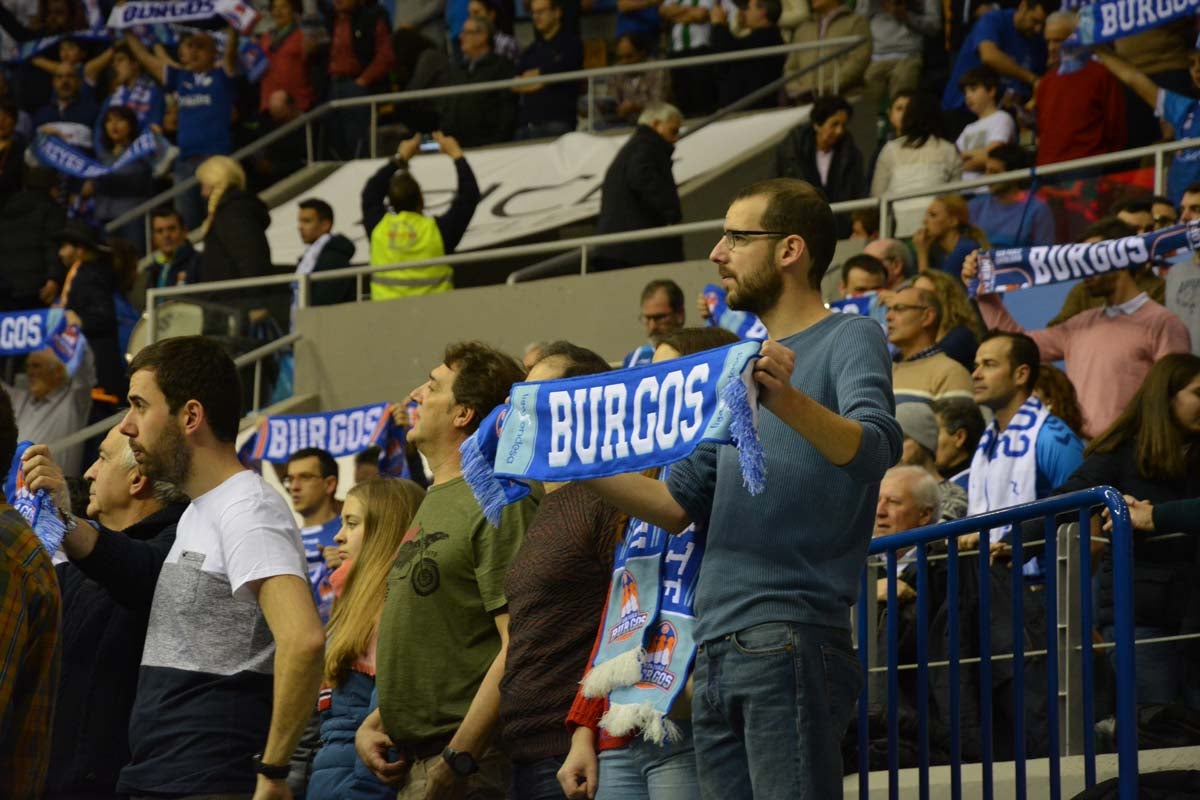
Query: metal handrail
[254, 357]
[306, 119]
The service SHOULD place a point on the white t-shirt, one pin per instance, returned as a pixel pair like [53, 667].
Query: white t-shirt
[824, 161]
[995, 127]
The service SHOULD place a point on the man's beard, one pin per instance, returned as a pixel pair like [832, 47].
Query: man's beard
[757, 291]
[170, 458]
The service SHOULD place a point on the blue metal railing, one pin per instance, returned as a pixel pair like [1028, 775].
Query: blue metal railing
[1122, 558]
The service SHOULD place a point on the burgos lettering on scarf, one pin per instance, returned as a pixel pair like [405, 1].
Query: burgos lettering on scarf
[622, 421]
[1106, 20]
[237, 13]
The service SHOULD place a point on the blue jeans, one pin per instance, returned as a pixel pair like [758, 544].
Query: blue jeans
[771, 705]
[190, 204]
[646, 771]
[536, 780]
[1163, 673]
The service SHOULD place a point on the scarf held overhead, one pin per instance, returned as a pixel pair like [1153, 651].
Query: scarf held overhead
[53, 152]
[1022, 267]
[340, 433]
[238, 14]
[1106, 20]
[628, 420]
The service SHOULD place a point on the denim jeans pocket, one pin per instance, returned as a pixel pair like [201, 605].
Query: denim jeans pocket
[843, 682]
[767, 639]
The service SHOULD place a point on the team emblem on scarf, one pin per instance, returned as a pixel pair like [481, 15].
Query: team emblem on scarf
[646, 642]
[626, 420]
[36, 507]
[1021, 267]
[741, 323]
[340, 433]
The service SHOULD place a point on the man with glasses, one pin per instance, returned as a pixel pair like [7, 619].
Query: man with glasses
[922, 373]
[776, 678]
[311, 482]
[639, 192]
[662, 313]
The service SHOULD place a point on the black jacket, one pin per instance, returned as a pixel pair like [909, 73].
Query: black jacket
[639, 192]
[336, 254]
[91, 297]
[736, 79]
[236, 247]
[483, 117]
[796, 157]
[103, 632]
[29, 221]
[1166, 576]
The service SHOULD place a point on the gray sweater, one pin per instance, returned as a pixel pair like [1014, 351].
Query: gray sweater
[794, 553]
[893, 39]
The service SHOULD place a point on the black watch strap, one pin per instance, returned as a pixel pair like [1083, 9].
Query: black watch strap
[275, 772]
[462, 764]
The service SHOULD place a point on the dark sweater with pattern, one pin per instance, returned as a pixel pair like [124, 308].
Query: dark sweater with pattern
[556, 586]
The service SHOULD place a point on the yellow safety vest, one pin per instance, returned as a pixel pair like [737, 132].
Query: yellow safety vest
[408, 236]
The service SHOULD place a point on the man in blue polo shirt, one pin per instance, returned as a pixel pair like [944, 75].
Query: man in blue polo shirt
[1010, 42]
[311, 481]
[205, 94]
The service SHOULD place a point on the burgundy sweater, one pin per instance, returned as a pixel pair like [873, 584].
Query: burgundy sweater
[557, 586]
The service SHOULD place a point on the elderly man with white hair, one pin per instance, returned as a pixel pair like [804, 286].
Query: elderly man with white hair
[54, 403]
[639, 192]
[896, 257]
[908, 498]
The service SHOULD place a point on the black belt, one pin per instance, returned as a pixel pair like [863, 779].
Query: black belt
[426, 748]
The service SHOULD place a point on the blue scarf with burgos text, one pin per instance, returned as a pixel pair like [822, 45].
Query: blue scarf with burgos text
[1023, 267]
[742, 324]
[53, 152]
[647, 641]
[240, 15]
[339, 433]
[1107, 20]
[627, 420]
[36, 507]
[24, 332]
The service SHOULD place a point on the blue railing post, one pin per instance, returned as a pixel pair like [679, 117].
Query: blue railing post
[923, 670]
[955, 723]
[893, 681]
[1050, 562]
[1018, 658]
[1086, 667]
[1122, 557]
[985, 659]
[865, 604]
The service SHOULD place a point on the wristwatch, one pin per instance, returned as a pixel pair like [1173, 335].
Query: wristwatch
[275, 772]
[462, 764]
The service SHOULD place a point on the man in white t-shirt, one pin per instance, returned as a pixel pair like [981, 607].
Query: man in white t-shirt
[992, 126]
[1183, 279]
[232, 661]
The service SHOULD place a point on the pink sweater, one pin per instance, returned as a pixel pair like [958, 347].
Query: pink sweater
[1107, 358]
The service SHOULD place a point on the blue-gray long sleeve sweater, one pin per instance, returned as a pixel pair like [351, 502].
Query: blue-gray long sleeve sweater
[795, 552]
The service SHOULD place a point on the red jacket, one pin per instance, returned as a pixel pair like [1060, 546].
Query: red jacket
[286, 69]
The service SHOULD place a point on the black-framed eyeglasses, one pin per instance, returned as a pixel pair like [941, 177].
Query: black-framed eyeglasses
[900, 308]
[734, 238]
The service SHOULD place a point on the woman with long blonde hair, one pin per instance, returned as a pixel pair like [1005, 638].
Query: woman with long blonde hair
[947, 235]
[961, 329]
[235, 230]
[375, 518]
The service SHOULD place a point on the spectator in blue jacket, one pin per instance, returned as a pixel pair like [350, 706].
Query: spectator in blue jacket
[375, 518]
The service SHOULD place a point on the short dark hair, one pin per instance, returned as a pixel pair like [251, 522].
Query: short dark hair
[1023, 351]
[826, 106]
[866, 263]
[1107, 228]
[404, 193]
[689, 341]
[369, 456]
[1012, 156]
[580, 360]
[323, 209]
[983, 75]
[162, 212]
[922, 119]
[485, 376]
[1192, 188]
[796, 207]
[328, 466]
[674, 293]
[1133, 205]
[774, 10]
[8, 433]
[639, 41]
[196, 368]
[1159, 199]
[960, 414]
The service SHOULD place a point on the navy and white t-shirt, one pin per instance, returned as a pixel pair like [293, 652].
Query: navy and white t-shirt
[316, 539]
[1181, 112]
[204, 698]
[205, 111]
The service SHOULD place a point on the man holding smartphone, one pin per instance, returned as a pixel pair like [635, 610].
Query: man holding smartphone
[405, 233]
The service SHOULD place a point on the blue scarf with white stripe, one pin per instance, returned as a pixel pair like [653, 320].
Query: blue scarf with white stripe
[339, 433]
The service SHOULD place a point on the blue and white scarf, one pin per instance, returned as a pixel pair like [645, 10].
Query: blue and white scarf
[339, 433]
[53, 152]
[237, 13]
[36, 507]
[1004, 468]
[24, 332]
[1107, 20]
[627, 420]
[743, 324]
[27, 50]
[647, 644]
[1022, 267]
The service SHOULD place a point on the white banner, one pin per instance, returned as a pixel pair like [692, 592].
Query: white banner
[527, 189]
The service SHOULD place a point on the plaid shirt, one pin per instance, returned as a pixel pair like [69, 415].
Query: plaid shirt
[29, 655]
